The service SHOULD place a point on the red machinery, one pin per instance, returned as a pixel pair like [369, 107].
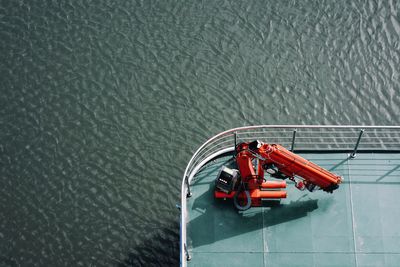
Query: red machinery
[247, 185]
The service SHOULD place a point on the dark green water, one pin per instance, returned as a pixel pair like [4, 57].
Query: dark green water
[103, 103]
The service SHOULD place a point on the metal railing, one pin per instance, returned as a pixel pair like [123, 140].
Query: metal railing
[298, 138]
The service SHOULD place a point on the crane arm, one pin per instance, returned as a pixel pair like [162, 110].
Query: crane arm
[247, 185]
[287, 165]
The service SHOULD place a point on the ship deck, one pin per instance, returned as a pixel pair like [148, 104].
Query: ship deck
[357, 225]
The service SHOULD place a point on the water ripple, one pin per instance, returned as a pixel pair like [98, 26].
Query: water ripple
[102, 105]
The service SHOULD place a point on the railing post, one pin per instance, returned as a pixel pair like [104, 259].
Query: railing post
[293, 139]
[188, 257]
[189, 193]
[353, 154]
[235, 137]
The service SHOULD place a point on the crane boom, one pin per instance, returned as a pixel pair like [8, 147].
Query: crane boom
[254, 159]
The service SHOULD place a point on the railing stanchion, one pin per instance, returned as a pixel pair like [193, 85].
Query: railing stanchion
[188, 257]
[293, 139]
[235, 137]
[353, 154]
[189, 193]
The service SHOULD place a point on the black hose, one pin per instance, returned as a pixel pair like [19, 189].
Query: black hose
[235, 198]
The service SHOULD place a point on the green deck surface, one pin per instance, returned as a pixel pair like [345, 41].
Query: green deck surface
[357, 225]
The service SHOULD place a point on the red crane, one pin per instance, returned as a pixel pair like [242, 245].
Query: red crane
[247, 185]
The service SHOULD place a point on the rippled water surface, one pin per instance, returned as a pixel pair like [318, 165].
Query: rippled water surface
[102, 104]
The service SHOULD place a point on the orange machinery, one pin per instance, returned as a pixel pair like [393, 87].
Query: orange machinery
[247, 185]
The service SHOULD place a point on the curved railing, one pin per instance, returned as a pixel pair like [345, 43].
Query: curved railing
[300, 138]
